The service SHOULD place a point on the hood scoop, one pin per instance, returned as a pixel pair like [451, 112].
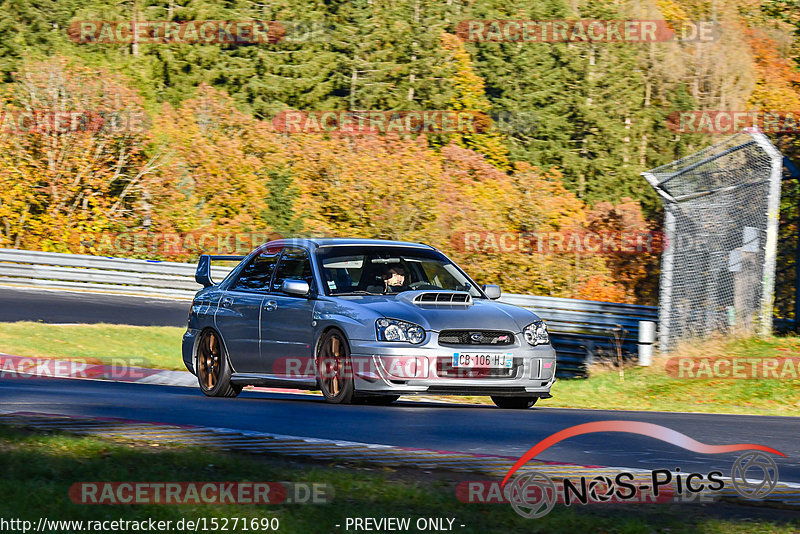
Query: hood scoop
[439, 298]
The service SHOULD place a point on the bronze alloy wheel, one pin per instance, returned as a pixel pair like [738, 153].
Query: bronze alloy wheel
[335, 369]
[208, 360]
[213, 368]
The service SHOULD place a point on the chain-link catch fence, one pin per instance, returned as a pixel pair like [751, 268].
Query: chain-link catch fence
[721, 223]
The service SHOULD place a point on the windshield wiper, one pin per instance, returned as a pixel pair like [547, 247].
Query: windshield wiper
[359, 292]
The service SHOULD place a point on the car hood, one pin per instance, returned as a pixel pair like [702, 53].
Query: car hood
[481, 314]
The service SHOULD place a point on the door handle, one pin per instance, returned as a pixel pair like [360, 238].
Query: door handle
[226, 302]
[271, 305]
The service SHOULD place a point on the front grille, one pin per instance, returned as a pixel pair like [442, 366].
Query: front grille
[492, 338]
[445, 369]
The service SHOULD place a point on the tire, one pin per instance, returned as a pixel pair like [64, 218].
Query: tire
[335, 369]
[514, 403]
[379, 400]
[213, 367]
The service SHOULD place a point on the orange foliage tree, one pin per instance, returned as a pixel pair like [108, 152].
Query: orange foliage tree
[73, 157]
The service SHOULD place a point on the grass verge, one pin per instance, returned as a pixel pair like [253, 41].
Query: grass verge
[140, 346]
[39, 468]
[651, 388]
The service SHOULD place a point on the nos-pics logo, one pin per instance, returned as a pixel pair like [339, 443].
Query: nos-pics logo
[533, 494]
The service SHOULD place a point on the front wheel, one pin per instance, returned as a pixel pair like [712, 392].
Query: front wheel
[334, 369]
[213, 368]
[514, 403]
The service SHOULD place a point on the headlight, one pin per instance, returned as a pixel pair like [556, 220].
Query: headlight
[395, 330]
[536, 334]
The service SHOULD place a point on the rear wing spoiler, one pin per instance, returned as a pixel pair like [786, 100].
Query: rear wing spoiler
[203, 274]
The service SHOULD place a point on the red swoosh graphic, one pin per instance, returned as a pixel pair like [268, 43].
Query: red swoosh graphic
[634, 427]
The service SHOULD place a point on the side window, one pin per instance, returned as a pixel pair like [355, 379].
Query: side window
[294, 265]
[256, 275]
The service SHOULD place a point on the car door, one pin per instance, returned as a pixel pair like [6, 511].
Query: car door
[238, 316]
[286, 332]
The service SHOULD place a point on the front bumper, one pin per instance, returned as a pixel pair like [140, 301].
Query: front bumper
[404, 369]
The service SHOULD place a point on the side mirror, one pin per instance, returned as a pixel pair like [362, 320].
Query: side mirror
[203, 274]
[295, 287]
[492, 291]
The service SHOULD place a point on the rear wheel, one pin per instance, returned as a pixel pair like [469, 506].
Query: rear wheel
[213, 367]
[334, 368]
[514, 403]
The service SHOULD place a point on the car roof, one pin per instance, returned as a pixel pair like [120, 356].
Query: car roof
[343, 241]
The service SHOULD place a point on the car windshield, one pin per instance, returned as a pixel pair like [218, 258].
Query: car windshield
[363, 270]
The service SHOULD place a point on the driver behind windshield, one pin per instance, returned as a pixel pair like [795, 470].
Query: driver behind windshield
[395, 279]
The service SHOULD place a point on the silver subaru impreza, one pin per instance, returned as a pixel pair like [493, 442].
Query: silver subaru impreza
[362, 320]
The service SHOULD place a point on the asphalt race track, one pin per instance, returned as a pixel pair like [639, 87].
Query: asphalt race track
[452, 427]
[460, 428]
[86, 307]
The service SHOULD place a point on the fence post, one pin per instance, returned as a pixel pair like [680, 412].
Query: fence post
[647, 337]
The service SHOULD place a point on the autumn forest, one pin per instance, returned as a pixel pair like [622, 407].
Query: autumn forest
[184, 142]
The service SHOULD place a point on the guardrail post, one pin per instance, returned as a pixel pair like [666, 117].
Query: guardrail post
[647, 337]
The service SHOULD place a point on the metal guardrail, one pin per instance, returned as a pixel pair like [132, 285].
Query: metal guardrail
[581, 330]
[53, 270]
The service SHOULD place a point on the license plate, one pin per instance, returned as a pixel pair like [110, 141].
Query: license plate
[483, 360]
